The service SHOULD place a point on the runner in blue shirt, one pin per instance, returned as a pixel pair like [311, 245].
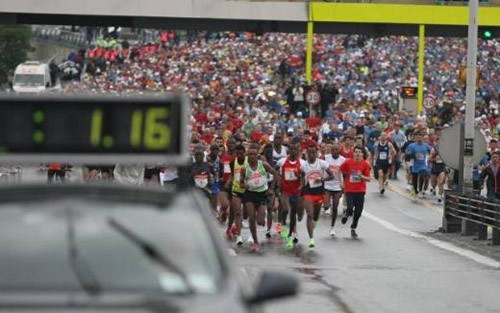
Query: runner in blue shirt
[419, 154]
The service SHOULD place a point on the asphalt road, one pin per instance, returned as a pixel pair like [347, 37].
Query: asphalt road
[396, 265]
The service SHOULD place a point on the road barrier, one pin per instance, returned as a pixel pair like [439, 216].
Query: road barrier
[59, 35]
[472, 215]
[10, 174]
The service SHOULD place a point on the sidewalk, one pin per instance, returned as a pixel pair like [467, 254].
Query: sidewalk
[399, 186]
[482, 247]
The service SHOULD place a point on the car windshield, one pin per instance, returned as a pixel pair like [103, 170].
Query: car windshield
[36, 248]
[28, 80]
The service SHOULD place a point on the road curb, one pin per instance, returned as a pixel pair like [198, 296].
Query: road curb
[404, 193]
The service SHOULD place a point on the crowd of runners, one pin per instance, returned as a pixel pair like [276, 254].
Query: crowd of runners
[281, 182]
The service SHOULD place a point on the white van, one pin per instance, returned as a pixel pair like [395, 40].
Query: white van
[31, 77]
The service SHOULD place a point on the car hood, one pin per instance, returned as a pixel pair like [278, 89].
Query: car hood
[118, 303]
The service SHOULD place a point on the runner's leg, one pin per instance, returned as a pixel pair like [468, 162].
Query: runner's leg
[224, 205]
[349, 209]
[381, 178]
[335, 205]
[440, 184]
[309, 208]
[358, 202]
[237, 211]
[270, 212]
[252, 223]
[415, 182]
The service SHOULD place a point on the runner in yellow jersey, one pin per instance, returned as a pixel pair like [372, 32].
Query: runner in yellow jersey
[237, 193]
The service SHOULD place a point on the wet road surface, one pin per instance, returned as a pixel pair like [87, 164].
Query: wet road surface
[396, 265]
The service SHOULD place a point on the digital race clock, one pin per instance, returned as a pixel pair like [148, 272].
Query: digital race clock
[94, 128]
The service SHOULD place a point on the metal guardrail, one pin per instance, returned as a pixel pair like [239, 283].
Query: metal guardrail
[10, 174]
[470, 215]
[58, 35]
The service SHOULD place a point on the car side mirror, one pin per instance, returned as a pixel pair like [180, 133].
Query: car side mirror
[273, 285]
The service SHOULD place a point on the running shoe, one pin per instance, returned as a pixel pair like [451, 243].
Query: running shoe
[332, 233]
[278, 228]
[223, 217]
[328, 212]
[284, 231]
[290, 242]
[353, 233]
[234, 230]
[382, 191]
[295, 237]
[311, 243]
[239, 241]
[229, 235]
[245, 223]
[268, 234]
[440, 199]
[344, 218]
[250, 240]
[254, 248]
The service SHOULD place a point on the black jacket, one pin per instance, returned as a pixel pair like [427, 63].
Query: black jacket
[493, 178]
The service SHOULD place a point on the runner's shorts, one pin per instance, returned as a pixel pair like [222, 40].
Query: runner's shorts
[292, 198]
[384, 166]
[215, 189]
[438, 168]
[315, 199]
[257, 198]
[422, 171]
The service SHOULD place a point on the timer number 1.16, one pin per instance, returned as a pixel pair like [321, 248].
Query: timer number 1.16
[148, 129]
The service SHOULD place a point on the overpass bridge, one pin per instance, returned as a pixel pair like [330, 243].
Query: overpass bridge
[261, 16]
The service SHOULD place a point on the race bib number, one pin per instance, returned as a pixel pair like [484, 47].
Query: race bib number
[290, 175]
[420, 156]
[201, 181]
[355, 177]
[314, 180]
[383, 156]
[237, 175]
[256, 181]
[227, 168]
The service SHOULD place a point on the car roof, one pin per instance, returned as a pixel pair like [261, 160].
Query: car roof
[96, 192]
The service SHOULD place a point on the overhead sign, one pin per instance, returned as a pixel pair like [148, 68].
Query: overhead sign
[408, 92]
[94, 129]
[313, 97]
[449, 147]
[429, 102]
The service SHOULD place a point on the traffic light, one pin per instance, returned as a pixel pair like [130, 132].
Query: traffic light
[486, 33]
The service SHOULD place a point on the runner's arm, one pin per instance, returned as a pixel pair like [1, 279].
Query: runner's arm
[268, 168]
[229, 181]
[243, 179]
[365, 173]
[331, 176]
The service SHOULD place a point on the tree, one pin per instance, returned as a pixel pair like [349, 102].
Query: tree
[14, 48]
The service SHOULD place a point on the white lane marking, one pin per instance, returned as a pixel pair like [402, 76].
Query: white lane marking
[438, 243]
